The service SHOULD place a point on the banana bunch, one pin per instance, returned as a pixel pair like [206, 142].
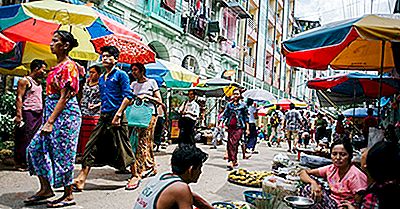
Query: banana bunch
[248, 178]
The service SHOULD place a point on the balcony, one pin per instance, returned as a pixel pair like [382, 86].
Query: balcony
[227, 48]
[238, 7]
[271, 15]
[254, 3]
[155, 10]
[269, 46]
[197, 27]
[250, 65]
[252, 30]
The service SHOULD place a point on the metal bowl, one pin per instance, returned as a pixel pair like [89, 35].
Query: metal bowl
[298, 201]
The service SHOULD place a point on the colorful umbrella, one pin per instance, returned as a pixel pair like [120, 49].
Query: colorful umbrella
[6, 45]
[356, 44]
[359, 112]
[171, 74]
[357, 85]
[259, 95]
[35, 22]
[218, 82]
[285, 103]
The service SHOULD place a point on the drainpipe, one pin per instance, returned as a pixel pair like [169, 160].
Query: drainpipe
[274, 44]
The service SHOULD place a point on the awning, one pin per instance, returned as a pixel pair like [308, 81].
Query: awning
[237, 8]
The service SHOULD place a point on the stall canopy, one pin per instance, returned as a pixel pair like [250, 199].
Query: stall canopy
[285, 103]
[330, 99]
[355, 44]
[357, 85]
[173, 75]
[359, 112]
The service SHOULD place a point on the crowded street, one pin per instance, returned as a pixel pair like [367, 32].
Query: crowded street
[199, 104]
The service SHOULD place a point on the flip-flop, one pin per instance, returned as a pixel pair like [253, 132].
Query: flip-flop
[61, 204]
[75, 188]
[134, 186]
[149, 173]
[37, 200]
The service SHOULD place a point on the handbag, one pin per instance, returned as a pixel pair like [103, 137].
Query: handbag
[139, 115]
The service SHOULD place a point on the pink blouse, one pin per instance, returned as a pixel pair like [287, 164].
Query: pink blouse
[347, 187]
[63, 74]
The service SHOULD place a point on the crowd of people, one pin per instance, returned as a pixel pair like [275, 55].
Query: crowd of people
[95, 127]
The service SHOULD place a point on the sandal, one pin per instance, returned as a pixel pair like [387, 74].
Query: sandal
[36, 199]
[61, 204]
[75, 188]
[149, 173]
[133, 186]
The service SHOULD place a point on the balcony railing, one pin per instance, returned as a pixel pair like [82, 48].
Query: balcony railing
[238, 7]
[252, 24]
[250, 61]
[154, 9]
[252, 29]
[271, 14]
[228, 49]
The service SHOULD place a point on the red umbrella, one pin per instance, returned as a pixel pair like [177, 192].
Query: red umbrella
[6, 45]
[131, 50]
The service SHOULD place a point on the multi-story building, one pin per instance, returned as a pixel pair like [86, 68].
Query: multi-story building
[264, 66]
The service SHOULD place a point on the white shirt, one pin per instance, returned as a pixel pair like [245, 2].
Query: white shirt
[190, 107]
[251, 111]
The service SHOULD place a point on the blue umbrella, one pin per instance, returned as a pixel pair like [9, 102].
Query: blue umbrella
[360, 112]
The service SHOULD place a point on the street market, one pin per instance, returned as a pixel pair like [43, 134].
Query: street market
[198, 104]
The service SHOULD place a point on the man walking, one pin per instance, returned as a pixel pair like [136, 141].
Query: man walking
[292, 125]
[109, 142]
[252, 137]
[171, 189]
[29, 108]
[189, 112]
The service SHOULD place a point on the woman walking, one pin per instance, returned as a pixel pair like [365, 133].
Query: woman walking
[51, 153]
[236, 120]
[90, 107]
[147, 90]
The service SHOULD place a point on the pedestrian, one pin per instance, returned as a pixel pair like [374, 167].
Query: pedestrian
[52, 151]
[189, 112]
[29, 110]
[320, 128]
[276, 123]
[252, 137]
[369, 122]
[236, 120]
[147, 90]
[292, 125]
[90, 107]
[339, 128]
[171, 189]
[109, 141]
[162, 121]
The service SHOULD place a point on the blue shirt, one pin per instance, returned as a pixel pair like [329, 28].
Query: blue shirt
[114, 90]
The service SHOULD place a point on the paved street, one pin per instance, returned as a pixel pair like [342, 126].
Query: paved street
[105, 189]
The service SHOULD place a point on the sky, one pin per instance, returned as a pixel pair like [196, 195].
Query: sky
[334, 10]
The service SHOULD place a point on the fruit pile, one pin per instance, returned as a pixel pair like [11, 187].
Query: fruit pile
[248, 178]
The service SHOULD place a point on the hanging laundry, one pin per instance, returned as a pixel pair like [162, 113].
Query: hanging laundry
[169, 5]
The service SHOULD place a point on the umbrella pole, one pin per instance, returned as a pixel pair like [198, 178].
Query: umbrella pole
[380, 82]
[354, 104]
